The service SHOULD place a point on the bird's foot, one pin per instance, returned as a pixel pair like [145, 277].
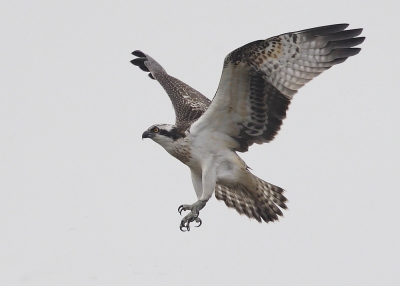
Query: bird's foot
[192, 216]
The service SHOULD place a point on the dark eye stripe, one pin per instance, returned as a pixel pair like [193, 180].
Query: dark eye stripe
[164, 132]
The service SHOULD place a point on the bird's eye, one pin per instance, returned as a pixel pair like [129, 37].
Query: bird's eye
[155, 129]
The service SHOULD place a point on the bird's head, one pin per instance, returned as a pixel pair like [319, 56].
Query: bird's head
[163, 134]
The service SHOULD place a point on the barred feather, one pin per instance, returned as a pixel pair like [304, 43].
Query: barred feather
[260, 79]
[257, 85]
[264, 207]
[239, 200]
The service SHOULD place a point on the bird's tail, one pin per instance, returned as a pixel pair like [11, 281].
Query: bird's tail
[264, 206]
[269, 200]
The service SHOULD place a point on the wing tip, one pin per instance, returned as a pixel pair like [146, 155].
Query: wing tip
[341, 26]
[349, 52]
[360, 40]
[138, 53]
[324, 30]
[140, 62]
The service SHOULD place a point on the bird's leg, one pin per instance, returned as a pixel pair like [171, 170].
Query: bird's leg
[204, 185]
[192, 216]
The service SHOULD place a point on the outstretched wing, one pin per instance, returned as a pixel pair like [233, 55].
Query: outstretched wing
[259, 80]
[189, 104]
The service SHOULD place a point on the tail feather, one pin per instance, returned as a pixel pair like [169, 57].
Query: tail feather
[270, 192]
[264, 207]
[239, 200]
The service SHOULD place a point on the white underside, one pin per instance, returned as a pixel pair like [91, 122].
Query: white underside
[213, 163]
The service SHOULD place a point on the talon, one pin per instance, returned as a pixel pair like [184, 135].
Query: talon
[191, 219]
[192, 216]
[182, 226]
[199, 221]
[180, 209]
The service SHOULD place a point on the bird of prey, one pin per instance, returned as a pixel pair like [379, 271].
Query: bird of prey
[257, 84]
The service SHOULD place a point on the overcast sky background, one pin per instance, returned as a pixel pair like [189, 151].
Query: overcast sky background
[84, 201]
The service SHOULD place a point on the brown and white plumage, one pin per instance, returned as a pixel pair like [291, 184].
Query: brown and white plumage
[257, 84]
[263, 207]
[259, 79]
[189, 104]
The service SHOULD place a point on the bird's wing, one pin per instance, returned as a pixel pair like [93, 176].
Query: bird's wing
[259, 80]
[189, 104]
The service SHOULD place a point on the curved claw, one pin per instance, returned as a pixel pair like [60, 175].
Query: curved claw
[180, 209]
[199, 221]
[187, 224]
[182, 226]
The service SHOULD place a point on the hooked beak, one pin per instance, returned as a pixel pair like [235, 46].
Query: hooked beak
[146, 134]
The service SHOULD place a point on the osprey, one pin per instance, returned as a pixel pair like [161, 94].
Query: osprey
[257, 84]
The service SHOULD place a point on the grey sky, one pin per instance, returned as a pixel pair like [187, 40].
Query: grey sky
[84, 201]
